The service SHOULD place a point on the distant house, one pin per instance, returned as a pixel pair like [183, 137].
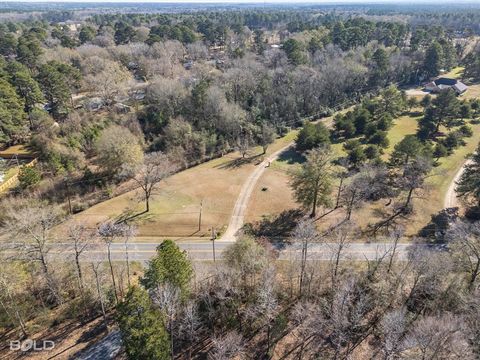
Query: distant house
[444, 83]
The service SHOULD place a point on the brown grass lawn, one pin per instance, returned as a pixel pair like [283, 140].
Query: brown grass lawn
[17, 150]
[271, 195]
[175, 207]
[278, 196]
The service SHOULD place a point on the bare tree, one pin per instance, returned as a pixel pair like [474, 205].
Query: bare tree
[244, 143]
[109, 232]
[427, 271]
[266, 137]
[8, 301]
[110, 81]
[227, 347]
[31, 229]
[167, 298]
[304, 234]
[411, 180]
[393, 327]
[441, 337]
[267, 303]
[338, 242]
[129, 233]
[190, 325]
[348, 313]
[81, 238]
[395, 236]
[96, 271]
[464, 240]
[155, 168]
[309, 325]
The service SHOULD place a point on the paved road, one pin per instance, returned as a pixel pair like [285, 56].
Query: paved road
[451, 199]
[203, 251]
[108, 347]
[238, 213]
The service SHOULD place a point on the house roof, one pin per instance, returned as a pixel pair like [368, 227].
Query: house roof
[460, 87]
[445, 81]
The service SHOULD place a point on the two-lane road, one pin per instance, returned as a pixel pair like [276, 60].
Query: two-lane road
[203, 251]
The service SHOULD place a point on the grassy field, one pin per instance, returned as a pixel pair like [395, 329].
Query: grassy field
[215, 185]
[175, 208]
[404, 125]
[278, 196]
[17, 150]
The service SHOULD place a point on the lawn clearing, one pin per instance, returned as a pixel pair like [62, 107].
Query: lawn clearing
[404, 125]
[279, 196]
[212, 187]
[455, 73]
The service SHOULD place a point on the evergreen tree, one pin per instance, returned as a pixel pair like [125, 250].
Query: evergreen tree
[312, 135]
[443, 110]
[294, 50]
[142, 327]
[29, 51]
[13, 121]
[379, 68]
[433, 60]
[469, 183]
[406, 150]
[26, 86]
[58, 80]
[170, 266]
[87, 33]
[313, 182]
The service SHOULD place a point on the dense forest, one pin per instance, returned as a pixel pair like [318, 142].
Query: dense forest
[107, 101]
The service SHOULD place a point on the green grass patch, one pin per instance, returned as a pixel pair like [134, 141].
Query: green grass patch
[455, 73]
[404, 125]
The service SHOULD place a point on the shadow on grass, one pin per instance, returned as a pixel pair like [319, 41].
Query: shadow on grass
[130, 214]
[414, 113]
[291, 156]
[238, 162]
[276, 227]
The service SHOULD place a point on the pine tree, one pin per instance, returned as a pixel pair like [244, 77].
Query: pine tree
[142, 327]
[469, 183]
[169, 266]
[312, 184]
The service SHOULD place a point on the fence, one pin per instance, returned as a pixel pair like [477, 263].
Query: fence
[13, 180]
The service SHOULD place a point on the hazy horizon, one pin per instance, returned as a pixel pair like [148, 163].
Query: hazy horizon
[255, 1]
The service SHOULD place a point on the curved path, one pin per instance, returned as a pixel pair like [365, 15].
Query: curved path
[451, 200]
[238, 213]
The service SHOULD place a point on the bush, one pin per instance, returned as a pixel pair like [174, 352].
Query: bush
[28, 177]
[311, 136]
[372, 152]
[473, 213]
[465, 131]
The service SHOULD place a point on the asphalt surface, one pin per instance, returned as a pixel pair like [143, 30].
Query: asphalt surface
[238, 213]
[203, 251]
[451, 199]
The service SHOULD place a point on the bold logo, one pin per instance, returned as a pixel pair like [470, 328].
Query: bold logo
[29, 344]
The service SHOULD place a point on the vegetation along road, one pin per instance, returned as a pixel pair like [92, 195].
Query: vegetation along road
[203, 251]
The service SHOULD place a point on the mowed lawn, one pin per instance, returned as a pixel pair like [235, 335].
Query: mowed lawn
[175, 207]
[273, 194]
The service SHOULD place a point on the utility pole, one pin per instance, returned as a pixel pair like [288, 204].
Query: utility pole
[200, 215]
[214, 235]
